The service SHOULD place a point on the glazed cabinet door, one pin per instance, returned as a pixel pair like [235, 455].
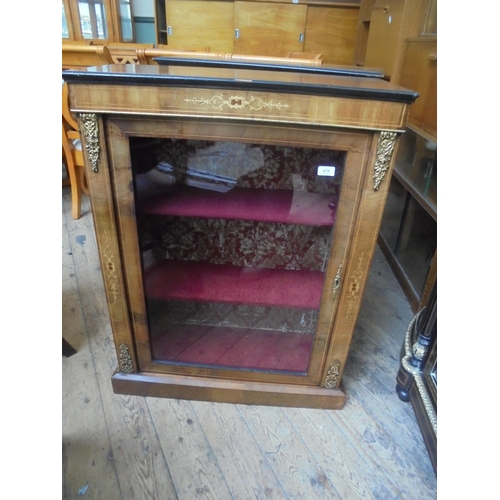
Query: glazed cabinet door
[200, 25]
[233, 240]
[269, 29]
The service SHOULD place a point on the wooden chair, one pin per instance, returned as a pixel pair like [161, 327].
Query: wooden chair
[146, 56]
[126, 53]
[312, 56]
[292, 61]
[73, 156]
[76, 56]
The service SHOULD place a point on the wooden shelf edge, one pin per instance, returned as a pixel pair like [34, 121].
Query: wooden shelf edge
[264, 205]
[225, 283]
[227, 391]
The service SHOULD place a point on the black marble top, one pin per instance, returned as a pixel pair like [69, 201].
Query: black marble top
[332, 81]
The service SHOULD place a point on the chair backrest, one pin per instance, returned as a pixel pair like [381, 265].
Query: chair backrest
[66, 113]
[126, 53]
[146, 56]
[83, 56]
[292, 61]
[306, 55]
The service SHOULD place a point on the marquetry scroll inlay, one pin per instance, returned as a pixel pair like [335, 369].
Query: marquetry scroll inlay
[126, 364]
[385, 147]
[337, 282]
[332, 375]
[237, 102]
[110, 270]
[354, 289]
[91, 134]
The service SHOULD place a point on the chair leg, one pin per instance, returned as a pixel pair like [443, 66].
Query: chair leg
[67, 349]
[66, 181]
[76, 190]
[83, 180]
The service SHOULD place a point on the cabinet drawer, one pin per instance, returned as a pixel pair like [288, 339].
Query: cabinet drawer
[419, 73]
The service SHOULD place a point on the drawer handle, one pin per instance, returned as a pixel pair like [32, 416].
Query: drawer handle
[432, 57]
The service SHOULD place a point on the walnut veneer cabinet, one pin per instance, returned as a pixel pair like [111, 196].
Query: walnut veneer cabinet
[236, 211]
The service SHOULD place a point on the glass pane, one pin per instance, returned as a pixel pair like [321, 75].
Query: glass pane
[416, 161]
[416, 243]
[126, 21]
[65, 32]
[393, 213]
[235, 240]
[92, 19]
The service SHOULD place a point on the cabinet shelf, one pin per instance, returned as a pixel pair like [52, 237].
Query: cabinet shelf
[233, 348]
[268, 205]
[200, 281]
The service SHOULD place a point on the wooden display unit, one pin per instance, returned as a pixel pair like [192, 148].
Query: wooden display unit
[236, 213]
[260, 27]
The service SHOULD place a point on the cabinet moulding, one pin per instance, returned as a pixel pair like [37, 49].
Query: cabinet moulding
[332, 376]
[91, 134]
[385, 148]
[126, 365]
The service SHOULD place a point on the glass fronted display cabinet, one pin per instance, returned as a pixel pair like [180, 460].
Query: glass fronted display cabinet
[236, 213]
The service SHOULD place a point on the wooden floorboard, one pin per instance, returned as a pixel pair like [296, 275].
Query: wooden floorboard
[129, 447]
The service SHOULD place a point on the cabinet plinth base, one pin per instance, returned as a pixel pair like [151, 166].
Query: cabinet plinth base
[227, 391]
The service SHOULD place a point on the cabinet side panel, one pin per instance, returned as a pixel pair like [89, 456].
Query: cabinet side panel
[374, 194]
[106, 233]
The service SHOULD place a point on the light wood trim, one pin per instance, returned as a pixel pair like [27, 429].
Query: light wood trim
[305, 55]
[288, 60]
[146, 56]
[83, 56]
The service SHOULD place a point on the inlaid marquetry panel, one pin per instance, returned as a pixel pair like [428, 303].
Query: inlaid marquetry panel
[241, 105]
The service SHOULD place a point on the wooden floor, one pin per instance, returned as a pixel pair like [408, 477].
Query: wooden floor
[124, 447]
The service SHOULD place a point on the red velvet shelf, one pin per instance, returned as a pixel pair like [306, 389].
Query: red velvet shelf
[233, 347]
[270, 205]
[198, 281]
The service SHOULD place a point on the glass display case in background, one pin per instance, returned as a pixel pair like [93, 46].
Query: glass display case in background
[408, 234]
